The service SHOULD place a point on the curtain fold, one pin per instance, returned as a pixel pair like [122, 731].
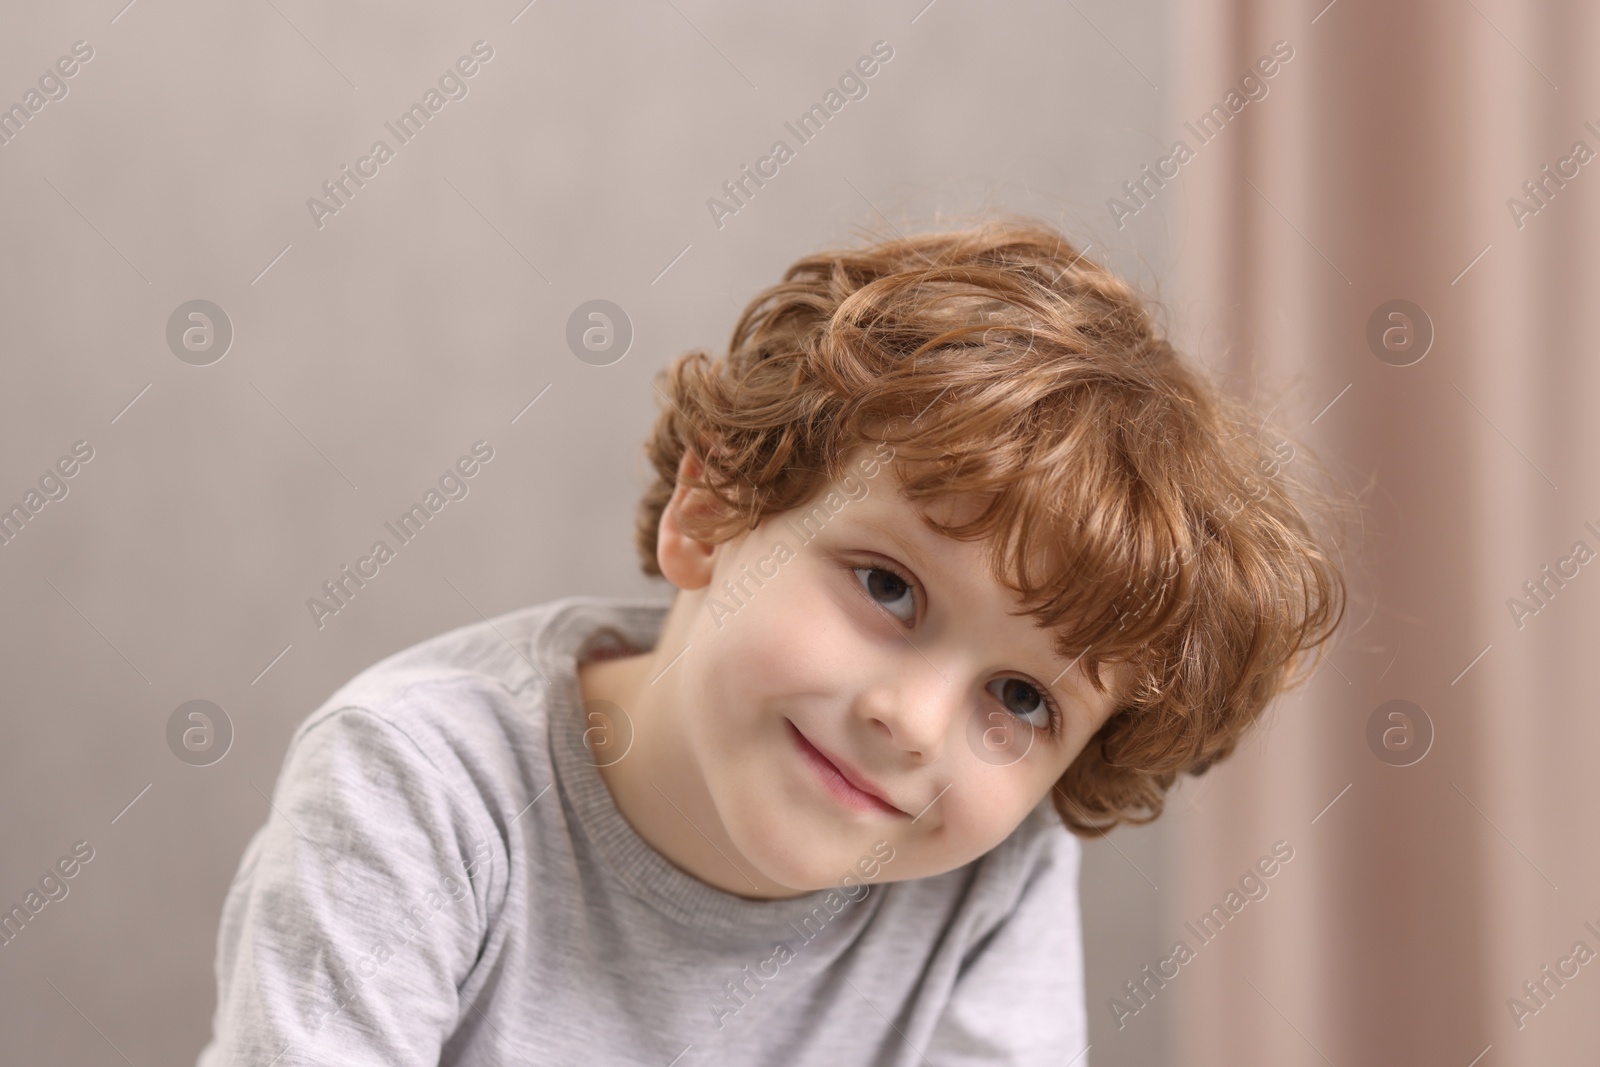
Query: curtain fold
[1385, 163]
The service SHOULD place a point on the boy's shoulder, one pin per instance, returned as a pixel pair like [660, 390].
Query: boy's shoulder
[485, 686]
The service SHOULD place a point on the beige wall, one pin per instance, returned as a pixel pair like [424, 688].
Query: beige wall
[418, 319]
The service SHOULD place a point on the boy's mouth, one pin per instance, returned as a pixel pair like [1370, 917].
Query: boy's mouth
[847, 786]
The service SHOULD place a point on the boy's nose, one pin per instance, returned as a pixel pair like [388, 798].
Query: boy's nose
[915, 710]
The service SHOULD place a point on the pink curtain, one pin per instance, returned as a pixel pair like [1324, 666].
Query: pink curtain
[1447, 911]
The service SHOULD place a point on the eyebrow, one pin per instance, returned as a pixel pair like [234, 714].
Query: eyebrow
[893, 535]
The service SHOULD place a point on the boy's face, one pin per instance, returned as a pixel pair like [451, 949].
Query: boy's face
[877, 646]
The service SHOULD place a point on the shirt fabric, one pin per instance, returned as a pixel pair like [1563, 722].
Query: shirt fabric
[444, 878]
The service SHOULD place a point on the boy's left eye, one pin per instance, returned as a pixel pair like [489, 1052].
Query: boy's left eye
[1032, 708]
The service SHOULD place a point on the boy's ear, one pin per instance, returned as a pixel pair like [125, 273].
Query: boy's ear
[686, 562]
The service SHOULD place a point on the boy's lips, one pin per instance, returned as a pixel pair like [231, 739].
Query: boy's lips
[841, 779]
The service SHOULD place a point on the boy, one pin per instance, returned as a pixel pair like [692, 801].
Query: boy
[964, 559]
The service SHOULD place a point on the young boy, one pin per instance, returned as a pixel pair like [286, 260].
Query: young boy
[965, 559]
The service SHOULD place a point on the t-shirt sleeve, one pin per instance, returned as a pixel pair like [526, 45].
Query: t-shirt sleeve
[358, 909]
[1019, 997]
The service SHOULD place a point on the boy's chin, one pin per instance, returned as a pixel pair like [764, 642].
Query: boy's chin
[800, 858]
[799, 880]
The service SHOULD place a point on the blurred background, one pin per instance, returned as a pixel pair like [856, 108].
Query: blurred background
[1382, 225]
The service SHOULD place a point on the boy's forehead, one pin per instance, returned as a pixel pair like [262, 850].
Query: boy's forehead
[887, 509]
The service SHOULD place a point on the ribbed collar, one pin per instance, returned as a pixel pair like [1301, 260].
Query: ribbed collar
[579, 628]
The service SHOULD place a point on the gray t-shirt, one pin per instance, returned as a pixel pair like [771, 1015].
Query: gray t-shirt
[445, 879]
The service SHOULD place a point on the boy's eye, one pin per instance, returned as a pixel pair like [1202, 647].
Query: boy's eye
[1024, 701]
[889, 589]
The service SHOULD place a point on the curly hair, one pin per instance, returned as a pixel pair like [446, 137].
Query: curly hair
[1132, 505]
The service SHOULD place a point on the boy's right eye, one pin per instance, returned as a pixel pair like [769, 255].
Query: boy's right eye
[888, 588]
